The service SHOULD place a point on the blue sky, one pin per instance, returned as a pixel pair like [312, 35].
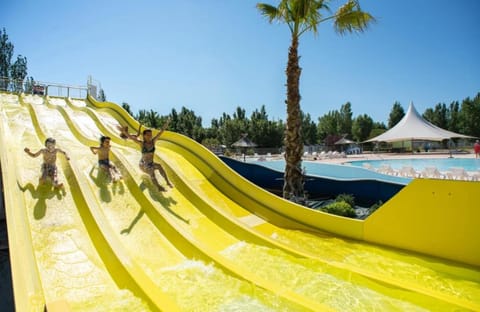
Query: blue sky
[214, 55]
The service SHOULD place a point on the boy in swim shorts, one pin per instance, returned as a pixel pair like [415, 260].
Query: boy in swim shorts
[104, 162]
[49, 167]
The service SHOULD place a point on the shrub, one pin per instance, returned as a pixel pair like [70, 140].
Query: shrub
[348, 198]
[340, 208]
[374, 207]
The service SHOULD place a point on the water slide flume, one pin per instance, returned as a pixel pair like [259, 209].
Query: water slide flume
[213, 228]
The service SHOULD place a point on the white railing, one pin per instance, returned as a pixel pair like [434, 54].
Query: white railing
[43, 88]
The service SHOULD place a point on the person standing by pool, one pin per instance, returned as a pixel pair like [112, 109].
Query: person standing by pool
[476, 148]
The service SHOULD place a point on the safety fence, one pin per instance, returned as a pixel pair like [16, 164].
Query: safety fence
[43, 88]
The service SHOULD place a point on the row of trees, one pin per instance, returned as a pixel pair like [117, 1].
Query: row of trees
[13, 76]
[462, 117]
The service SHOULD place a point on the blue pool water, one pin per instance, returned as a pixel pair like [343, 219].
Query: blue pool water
[340, 172]
[442, 164]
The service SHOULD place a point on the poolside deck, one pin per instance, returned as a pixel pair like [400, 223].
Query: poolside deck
[382, 156]
[340, 159]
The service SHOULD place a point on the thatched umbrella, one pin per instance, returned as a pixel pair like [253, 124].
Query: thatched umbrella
[344, 141]
[244, 143]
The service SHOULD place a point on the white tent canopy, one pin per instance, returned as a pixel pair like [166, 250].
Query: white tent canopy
[414, 127]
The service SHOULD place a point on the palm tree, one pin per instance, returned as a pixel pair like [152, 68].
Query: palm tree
[302, 16]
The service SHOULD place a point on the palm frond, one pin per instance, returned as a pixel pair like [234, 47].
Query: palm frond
[270, 12]
[350, 18]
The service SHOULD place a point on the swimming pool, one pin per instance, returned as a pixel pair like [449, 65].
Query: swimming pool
[336, 171]
[442, 164]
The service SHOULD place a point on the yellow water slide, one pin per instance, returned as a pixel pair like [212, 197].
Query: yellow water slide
[214, 242]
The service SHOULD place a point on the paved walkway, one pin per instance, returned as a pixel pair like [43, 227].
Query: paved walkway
[381, 156]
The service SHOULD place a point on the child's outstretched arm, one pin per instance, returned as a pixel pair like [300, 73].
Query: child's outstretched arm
[165, 126]
[94, 149]
[124, 134]
[27, 150]
[123, 131]
[139, 130]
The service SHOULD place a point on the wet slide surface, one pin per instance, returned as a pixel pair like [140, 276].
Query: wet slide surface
[103, 246]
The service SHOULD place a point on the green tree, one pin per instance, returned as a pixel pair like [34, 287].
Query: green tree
[259, 127]
[328, 124]
[213, 131]
[150, 119]
[303, 16]
[6, 53]
[189, 124]
[438, 116]
[345, 120]
[361, 127]
[18, 73]
[141, 116]
[379, 125]
[454, 117]
[470, 116]
[396, 114]
[231, 129]
[212, 135]
[429, 115]
[309, 130]
[126, 107]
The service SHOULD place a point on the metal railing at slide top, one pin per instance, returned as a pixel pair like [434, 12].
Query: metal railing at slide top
[43, 88]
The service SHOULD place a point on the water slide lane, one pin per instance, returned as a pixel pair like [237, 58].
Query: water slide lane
[450, 282]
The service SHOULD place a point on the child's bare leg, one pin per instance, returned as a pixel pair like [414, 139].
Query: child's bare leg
[43, 177]
[116, 173]
[112, 175]
[150, 170]
[56, 183]
[155, 182]
[163, 174]
[108, 171]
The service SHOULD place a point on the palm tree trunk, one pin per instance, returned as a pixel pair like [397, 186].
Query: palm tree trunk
[293, 179]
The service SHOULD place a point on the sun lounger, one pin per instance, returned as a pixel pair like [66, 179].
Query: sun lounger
[409, 172]
[476, 176]
[431, 173]
[368, 166]
[458, 173]
[386, 169]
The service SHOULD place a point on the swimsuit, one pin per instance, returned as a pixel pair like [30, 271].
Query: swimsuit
[147, 166]
[104, 162]
[146, 150]
[49, 170]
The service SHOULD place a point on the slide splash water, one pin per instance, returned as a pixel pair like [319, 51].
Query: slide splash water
[214, 242]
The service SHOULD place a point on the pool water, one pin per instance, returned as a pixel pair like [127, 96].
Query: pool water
[335, 171]
[442, 164]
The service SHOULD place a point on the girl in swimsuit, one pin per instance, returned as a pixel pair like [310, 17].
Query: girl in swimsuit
[147, 145]
[49, 167]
